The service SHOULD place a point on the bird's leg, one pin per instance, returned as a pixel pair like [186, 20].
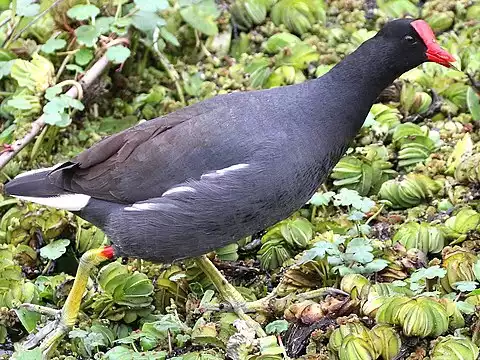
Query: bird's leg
[64, 319]
[228, 292]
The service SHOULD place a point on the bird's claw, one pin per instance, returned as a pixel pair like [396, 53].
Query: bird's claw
[47, 337]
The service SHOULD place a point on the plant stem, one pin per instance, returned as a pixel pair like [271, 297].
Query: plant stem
[172, 73]
[35, 19]
[90, 76]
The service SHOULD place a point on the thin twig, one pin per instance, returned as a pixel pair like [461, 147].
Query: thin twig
[172, 73]
[90, 76]
[38, 17]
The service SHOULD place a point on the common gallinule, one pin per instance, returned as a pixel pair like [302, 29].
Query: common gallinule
[184, 184]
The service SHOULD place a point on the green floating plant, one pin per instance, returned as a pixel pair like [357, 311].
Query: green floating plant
[413, 101]
[414, 144]
[88, 236]
[387, 117]
[454, 348]
[363, 173]
[421, 316]
[247, 13]
[458, 226]
[278, 242]
[123, 295]
[409, 190]
[298, 15]
[18, 224]
[352, 341]
[36, 75]
[399, 8]
[460, 266]
[425, 237]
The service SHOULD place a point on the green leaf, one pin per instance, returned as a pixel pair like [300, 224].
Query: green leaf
[19, 103]
[118, 54]
[376, 265]
[473, 103]
[320, 250]
[168, 36]
[83, 12]
[83, 56]
[465, 286]
[277, 327]
[74, 67]
[147, 21]
[192, 83]
[27, 8]
[465, 307]
[35, 354]
[5, 68]
[87, 35]
[103, 24]
[347, 197]
[321, 199]
[55, 249]
[202, 16]
[52, 92]
[430, 273]
[476, 270]
[53, 45]
[29, 319]
[151, 5]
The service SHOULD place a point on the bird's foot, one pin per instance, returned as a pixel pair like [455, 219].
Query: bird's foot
[48, 337]
[229, 294]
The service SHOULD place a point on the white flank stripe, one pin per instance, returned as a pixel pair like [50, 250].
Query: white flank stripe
[70, 202]
[141, 207]
[178, 189]
[225, 171]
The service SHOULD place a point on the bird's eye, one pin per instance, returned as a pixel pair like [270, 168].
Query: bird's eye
[409, 39]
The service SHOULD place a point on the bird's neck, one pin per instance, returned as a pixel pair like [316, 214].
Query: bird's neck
[366, 72]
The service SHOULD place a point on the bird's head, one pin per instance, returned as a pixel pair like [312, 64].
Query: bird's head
[415, 43]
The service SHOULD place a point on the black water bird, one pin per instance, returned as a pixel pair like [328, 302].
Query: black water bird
[192, 181]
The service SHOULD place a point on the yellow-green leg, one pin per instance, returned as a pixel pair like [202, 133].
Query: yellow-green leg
[228, 293]
[64, 319]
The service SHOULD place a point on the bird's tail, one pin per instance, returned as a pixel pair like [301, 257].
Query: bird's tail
[35, 186]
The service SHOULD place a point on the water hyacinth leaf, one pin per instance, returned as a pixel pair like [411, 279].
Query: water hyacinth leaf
[58, 119]
[118, 54]
[465, 286]
[53, 45]
[147, 21]
[27, 8]
[83, 12]
[52, 92]
[151, 5]
[103, 24]
[55, 249]
[87, 35]
[83, 56]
